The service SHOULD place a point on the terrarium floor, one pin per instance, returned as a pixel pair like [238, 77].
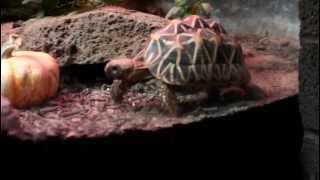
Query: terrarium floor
[81, 110]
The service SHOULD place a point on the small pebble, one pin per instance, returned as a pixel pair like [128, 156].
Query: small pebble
[76, 120]
[101, 107]
[71, 134]
[110, 111]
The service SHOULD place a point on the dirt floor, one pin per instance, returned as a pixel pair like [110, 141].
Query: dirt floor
[86, 110]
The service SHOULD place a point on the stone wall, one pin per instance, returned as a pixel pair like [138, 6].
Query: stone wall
[297, 19]
[309, 85]
[277, 18]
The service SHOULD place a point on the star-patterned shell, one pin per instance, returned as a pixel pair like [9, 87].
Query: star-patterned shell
[187, 52]
[197, 22]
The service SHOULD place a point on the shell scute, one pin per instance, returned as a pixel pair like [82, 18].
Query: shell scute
[190, 51]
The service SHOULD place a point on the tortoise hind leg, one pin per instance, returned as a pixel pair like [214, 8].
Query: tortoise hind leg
[254, 92]
[238, 90]
[242, 92]
[195, 98]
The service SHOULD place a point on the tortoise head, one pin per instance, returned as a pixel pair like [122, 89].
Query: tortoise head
[120, 68]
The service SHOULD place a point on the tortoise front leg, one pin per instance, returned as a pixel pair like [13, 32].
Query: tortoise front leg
[169, 99]
[118, 89]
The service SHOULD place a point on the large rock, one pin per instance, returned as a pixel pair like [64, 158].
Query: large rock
[277, 18]
[92, 37]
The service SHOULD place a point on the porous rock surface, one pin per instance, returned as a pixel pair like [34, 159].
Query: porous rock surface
[91, 37]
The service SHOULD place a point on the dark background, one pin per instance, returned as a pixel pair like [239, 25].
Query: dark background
[263, 142]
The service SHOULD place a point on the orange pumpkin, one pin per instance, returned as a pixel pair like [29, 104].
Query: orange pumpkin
[29, 78]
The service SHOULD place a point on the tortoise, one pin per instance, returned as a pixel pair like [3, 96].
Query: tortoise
[186, 54]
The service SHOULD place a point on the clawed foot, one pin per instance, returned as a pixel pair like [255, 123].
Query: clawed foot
[118, 89]
[13, 43]
[169, 99]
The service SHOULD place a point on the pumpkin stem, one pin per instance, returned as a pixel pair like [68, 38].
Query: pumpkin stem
[6, 51]
[13, 43]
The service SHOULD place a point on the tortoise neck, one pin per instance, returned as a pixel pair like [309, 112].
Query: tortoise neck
[139, 56]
